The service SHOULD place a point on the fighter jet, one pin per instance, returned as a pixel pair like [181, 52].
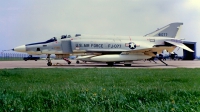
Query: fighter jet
[109, 49]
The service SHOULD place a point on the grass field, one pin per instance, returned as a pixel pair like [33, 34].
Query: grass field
[97, 89]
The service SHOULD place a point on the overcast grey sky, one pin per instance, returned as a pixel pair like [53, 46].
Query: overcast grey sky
[27, 21]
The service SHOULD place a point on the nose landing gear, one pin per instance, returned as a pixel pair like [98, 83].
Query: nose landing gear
[49, 60]
[49, 63]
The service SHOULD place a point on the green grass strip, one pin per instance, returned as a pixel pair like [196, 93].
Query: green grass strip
[96, 89]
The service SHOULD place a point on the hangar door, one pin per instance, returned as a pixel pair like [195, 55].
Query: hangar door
[189, 55]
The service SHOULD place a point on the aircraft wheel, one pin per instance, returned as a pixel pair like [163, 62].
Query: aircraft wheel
[35, 60]
[69, 62]
[110, 63]
[49, 64]
[127, 64]
[77, 62]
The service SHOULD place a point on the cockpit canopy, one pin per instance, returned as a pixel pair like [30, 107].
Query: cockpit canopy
[69, 36]
[45, 42]
[65, 36]
[52, 40]
[77, 35]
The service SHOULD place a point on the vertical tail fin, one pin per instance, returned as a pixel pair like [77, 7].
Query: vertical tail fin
[178, 32]
[172, 30]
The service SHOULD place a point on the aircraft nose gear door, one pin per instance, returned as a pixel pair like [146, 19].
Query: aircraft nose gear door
[69, 62]
[49, 60]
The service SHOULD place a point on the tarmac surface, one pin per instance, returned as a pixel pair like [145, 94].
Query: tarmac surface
[63, 64]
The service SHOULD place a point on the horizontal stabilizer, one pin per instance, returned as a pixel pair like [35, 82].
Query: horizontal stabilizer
[181, 45]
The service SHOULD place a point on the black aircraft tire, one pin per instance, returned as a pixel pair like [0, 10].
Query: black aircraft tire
[49, 64]
[110, 63]
[77, 62]
[127, 64]
[69, 63]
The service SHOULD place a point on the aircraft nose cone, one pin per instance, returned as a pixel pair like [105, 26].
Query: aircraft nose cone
[21, 48]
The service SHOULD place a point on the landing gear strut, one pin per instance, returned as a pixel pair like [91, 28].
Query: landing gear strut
[163, 61]
[151, 59]
[49, 60]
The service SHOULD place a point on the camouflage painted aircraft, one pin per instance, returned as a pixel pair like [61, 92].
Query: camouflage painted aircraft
[109, 49]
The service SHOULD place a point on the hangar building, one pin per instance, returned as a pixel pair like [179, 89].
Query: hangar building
[189, 55]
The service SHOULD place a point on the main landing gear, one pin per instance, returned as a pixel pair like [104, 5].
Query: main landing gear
[49, 60]
[78, 62]
[110, 63]
[127, 64]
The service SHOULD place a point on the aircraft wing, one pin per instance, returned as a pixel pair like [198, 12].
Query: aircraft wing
[150, 51]
[181, 45]
[147, 51]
